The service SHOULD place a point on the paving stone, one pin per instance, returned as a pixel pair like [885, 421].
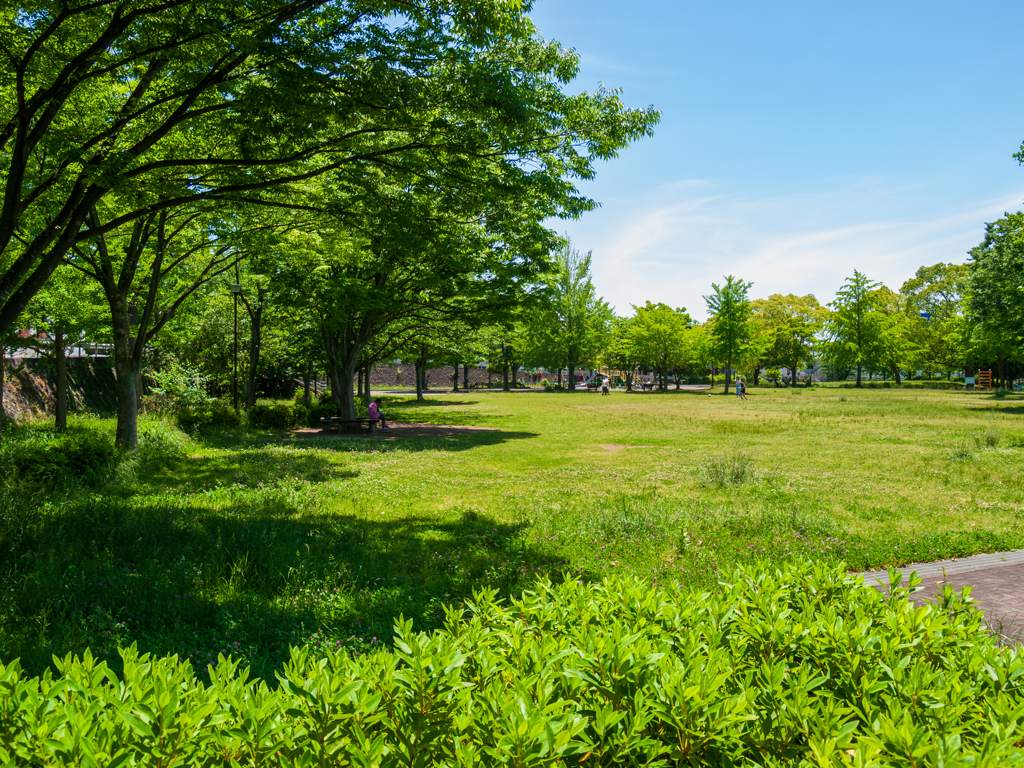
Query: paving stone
[997, 580]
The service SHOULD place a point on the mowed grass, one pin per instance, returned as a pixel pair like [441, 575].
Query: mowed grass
[249, 542]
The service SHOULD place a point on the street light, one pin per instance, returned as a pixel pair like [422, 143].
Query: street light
[236, 289]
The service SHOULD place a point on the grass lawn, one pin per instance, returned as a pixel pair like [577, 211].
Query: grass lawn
[249, 542]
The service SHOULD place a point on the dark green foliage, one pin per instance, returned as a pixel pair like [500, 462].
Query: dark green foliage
[799, 666]
[997, 265]
[160, 445]
[73, 459]
[278, 415]
[212, 415]
[320, 410]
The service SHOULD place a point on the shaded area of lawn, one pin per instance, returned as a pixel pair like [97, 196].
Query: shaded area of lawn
[247, 581]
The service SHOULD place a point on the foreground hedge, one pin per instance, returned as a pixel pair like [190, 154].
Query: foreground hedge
[803, 666]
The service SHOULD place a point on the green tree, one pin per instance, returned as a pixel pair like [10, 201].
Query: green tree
[729, 309]
[574, 326]
[939, 295]
[856, 325]
[147, 270]
[996, 299]
[789, 326]
[659, 338]
[898, 346]
[68, 310]
[165, 103]
[621, 352]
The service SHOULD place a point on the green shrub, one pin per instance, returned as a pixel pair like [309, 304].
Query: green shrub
[75, 458]
[278, 415]
[799, 666]
[178, 387]
[270, 416]
[215, 415]
[161, 444]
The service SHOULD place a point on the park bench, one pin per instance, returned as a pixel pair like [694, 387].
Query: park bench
[328, 422]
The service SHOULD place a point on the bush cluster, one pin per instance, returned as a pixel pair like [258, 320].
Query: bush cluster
[278, 415]
[941, 385]
[211, 415]
[799, 666]
[74, 458]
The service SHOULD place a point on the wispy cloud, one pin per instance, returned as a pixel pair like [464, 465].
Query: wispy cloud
[673, 245]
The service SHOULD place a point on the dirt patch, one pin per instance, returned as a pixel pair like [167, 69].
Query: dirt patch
[399, 430]
[613, 448]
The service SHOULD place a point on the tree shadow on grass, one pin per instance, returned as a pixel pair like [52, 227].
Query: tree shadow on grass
[1016, 410]
[252, 467]
[414, 403]
[249, 581]
[463, 441]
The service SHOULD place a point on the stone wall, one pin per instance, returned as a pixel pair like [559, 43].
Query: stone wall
[29, 387]
[386, 377]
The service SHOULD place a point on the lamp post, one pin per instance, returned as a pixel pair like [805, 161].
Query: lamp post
[235, 289]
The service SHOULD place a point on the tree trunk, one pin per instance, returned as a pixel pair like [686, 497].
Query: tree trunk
[127, 370]
[368, 383]
[465, 376]
[515, 373]
[504, 372]
[572, 375]
[307, 374]
[421, 372]
[559, 377]
[896, 375]
[858, 374]
[359, 381]
[61, 361]
[455, 378]
[341, 369]
[728, 375]
[255, 343]
[3, 378]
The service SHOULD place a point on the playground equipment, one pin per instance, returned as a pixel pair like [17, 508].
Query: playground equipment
[984, 379]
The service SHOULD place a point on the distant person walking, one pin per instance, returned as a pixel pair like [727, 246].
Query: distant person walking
[743, 389]
[373, 411]
[739, 385]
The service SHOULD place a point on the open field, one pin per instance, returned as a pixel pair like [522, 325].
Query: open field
[245, 542]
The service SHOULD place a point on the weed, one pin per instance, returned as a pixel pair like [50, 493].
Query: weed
[961, 453]
[722, 471]
[989, 440]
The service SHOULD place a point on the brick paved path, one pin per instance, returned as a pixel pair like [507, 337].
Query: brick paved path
[997, 578]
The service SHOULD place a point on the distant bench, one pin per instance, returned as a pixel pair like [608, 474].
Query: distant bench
[327, 424]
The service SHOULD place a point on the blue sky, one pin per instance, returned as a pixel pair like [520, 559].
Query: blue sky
[798, 141]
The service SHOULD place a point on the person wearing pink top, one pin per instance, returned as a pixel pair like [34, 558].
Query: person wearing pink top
[373, 411]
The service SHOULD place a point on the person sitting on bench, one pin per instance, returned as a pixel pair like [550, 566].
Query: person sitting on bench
[373, 411]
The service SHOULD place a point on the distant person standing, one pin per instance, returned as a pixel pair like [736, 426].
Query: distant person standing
[739, 385]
